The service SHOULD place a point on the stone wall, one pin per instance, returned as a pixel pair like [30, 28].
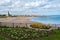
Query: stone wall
[15, 24]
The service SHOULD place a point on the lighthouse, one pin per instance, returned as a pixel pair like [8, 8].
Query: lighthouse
[8, 14]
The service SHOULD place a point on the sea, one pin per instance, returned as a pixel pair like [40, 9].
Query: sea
[52, 20]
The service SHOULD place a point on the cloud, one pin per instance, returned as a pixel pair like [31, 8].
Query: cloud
[29, 6]
[32, 4]
[52, 6]
[21, 5]
[18, 5]
[35, 4]
[15, 4]
[7, 0]
[4, 1]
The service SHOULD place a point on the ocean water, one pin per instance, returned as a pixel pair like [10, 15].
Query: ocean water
[48, 20]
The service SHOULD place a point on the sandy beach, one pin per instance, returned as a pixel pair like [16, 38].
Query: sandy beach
[16, 21]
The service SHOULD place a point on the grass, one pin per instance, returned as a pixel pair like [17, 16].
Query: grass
[29, 34]
[2, 38]
[55, 36]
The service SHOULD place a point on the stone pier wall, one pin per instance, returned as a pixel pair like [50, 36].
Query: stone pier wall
[15, 24]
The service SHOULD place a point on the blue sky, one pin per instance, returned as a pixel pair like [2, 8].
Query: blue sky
[30, 7]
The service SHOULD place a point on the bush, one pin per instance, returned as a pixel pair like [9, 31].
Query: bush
[41, 26]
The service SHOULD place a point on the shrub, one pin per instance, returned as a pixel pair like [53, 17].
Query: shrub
[41, 26]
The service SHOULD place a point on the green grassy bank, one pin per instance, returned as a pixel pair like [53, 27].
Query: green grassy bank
[28, 34]
[55, 36]
[2, 38]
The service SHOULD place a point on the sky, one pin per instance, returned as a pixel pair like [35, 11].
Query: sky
[30, 7]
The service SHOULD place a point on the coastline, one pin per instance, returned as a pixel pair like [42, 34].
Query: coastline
[20, 22]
